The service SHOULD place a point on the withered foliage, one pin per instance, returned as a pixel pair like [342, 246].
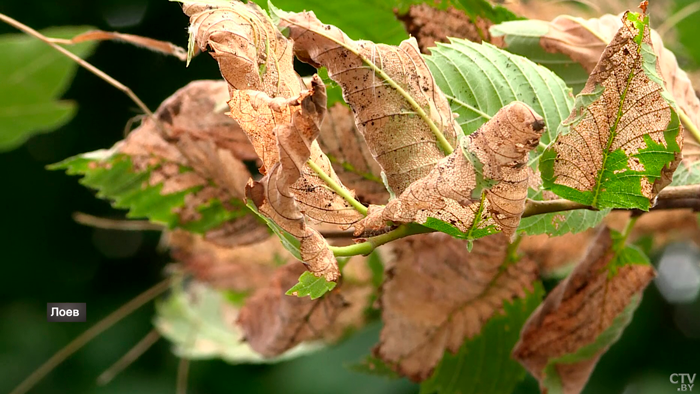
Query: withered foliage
[394, 159]
[421, 319]
[589, 303]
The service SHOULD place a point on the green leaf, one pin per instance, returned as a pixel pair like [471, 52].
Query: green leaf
[33, 76]
[480, 79]
[688, 29]
[311, 285]
[622, 133]
[192, 318]
[115, 179]
[560, 223]
[523, 38]
[371, 20]
[483, 365]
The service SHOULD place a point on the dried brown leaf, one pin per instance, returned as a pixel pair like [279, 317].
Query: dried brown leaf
[430, 25]
[577, 312]
[584, 42]
[243, 269]
[352, 160]
[397, 105]
[187, 130]
[251, 52]
[290, 190]
[497, 153]
[274, 322]
[434, 298]
[621, 143]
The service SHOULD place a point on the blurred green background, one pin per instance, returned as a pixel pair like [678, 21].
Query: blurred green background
[47, 257]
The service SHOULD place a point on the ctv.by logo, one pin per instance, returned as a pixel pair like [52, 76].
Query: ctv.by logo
[685, 380]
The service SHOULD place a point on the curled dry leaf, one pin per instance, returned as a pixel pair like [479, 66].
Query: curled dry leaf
[352, 161]
[188, 132]
[273, 322]
[430, 25]
[398, 108]
[250, 51]
[476, 190]
[577, 322]
[435, 298]
[287, 194]
[585, 40]
[622, 141]
[243, 269]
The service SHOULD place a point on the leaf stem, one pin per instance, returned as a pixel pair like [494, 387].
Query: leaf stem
[338, 189]
[52, 42]
[365, 248]
[628, 228]
[692, 129]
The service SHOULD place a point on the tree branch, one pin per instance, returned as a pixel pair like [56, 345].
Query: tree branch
[669, 198]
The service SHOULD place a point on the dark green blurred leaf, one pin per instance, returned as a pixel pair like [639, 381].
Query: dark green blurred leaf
[32, 78]
[371, 20]
[483, 364]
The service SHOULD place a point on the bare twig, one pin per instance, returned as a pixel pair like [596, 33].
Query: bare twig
[51, 41]
[163, 47]
[135, 352]
[113, 224]
[668, 198]
[90, 334]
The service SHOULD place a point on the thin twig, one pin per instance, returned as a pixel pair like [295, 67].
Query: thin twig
[686, 194]
[134, 353]
[89, 335]
[114, 224]
[51, 41]
[183, 369]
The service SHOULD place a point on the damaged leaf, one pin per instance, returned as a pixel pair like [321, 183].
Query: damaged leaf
[422, 320]
[290, 191]
[201, 325]
[480, 79]
[477, 190]
[250, 51]
[584, 315]
[399, 110]
[242, 269]
[571, 47]
[352, 161]
[497, 372]
[183, 168]
[273, 322]
[622, 142]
